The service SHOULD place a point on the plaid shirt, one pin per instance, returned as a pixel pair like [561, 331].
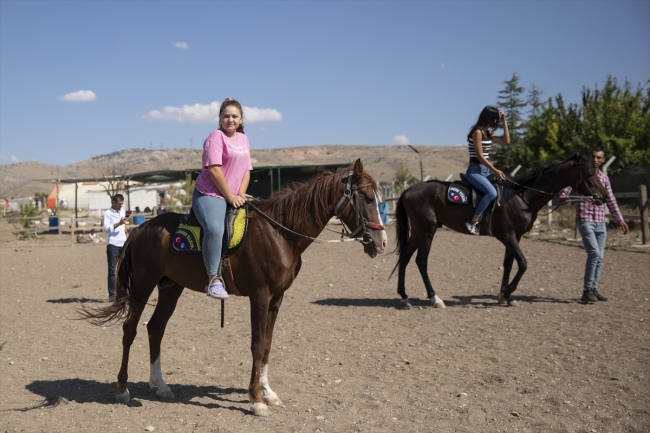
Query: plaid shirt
[586, 210]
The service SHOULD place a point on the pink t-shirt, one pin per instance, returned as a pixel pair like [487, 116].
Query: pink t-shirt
[234, 157]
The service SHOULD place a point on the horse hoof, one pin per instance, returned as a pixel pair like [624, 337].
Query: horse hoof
[165, 393]
[260, 409]
[273, 401]
[502, 298]
[123, 398]
[405, 304]
[513, 303]
[437, 302]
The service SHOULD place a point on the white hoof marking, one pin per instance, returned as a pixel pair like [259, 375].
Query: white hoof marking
[438, 303]
[260, 409]
[123, 398]
[272, 400]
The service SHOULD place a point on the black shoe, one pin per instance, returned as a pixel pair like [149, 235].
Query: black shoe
[588, 297]
[599, 296]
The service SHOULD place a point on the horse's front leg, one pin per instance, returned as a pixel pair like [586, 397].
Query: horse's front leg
[270, 397]
[507, 267]
[259, 319]
[512, 248]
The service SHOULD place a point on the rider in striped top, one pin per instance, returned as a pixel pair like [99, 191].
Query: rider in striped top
[479, 141]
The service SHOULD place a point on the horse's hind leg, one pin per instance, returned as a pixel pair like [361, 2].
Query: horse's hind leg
[404, 259]
[270, 397]
[421, 260]
[168, 295]
[130, 329]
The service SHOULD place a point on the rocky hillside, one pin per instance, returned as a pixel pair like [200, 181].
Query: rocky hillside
[27, 178]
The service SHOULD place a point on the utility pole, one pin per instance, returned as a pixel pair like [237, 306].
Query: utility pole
[420, 155]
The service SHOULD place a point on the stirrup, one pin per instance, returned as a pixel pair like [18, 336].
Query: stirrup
[220, 294]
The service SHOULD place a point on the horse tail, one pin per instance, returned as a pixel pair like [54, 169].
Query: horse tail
[124, 306]
[402, 229]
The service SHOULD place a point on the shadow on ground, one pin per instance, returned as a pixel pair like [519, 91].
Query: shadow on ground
[64, 391]
[457, 301]
[75, 300]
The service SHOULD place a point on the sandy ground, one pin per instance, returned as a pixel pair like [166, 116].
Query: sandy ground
[344, 358]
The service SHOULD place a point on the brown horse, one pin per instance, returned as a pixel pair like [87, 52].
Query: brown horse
[423, 208]
[263, 267]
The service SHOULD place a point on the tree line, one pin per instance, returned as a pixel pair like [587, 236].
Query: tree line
[615, 117]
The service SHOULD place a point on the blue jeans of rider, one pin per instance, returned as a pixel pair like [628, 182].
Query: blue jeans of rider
[477, 175]
[112, 253]
[594, 236]
[211, 213]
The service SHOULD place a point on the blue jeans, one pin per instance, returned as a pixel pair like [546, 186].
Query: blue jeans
[594, 236]
[477, 175]
[211, 213]
[112, 253]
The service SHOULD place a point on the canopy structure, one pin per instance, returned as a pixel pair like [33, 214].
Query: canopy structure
[264, 180]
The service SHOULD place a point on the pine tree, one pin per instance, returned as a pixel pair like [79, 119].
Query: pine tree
[510, 101]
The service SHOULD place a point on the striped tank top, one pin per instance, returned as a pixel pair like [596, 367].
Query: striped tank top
[487, 144]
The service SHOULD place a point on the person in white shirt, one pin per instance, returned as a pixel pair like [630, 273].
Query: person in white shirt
[114, 221]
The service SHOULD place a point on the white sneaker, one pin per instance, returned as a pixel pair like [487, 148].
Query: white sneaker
[216, 290]
[472, 227]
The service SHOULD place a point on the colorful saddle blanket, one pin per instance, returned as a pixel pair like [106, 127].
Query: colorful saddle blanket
[188, 235]
[464, 192]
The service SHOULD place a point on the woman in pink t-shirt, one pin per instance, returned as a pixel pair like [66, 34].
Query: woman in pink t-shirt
[224, 179]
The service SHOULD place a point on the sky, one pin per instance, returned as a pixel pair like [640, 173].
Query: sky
[82, 79]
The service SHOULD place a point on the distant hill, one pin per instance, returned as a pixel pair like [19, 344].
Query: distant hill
[21, 180]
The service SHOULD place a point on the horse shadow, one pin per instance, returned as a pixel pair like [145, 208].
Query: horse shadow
[83, 300]
[491, 300]
[457, 301]
[63, 391]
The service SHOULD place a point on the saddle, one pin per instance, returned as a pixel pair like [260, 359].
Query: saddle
[188, 238]
[464, 192]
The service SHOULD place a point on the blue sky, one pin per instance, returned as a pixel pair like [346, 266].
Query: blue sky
[80, 79]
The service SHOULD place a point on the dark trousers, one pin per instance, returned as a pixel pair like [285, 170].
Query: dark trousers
[112, 253]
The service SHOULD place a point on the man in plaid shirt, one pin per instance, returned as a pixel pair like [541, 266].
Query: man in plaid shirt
[590, 218]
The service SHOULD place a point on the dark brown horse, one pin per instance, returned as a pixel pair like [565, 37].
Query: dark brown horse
[423, 208]
[264, 267]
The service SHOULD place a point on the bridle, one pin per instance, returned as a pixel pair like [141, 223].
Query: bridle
[351, 194]
[362, 222]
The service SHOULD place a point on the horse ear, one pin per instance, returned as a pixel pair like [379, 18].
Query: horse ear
[358, 168]
[577, 159]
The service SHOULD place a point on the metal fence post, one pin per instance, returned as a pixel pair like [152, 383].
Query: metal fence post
[643, 208]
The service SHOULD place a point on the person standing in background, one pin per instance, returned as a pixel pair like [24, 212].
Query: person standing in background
[114, 224]
[591, 222]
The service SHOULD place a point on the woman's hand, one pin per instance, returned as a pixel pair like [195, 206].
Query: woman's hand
[502, 116]
[500, 174]
[236, 201]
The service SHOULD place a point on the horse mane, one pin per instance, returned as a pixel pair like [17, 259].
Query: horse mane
[533, 177]
[299, 201]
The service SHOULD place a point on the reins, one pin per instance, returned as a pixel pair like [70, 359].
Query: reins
[348, 193]
[569, 198]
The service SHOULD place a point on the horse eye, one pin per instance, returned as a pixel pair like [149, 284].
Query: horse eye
[368, 199]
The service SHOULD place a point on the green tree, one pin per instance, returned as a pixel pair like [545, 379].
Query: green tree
[616, 118]
[534, 100]
[510, 101]
[403, 179]
[27, 213]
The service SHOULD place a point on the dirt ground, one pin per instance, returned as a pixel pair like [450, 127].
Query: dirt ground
[344, 358]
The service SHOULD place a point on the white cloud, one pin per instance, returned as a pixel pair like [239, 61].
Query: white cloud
[13, 159]
[79, 96]
[181, 45]
[401, 139]
[209, 113]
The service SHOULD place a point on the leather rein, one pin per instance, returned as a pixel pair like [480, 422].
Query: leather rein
[351, 195]
[570, 198]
